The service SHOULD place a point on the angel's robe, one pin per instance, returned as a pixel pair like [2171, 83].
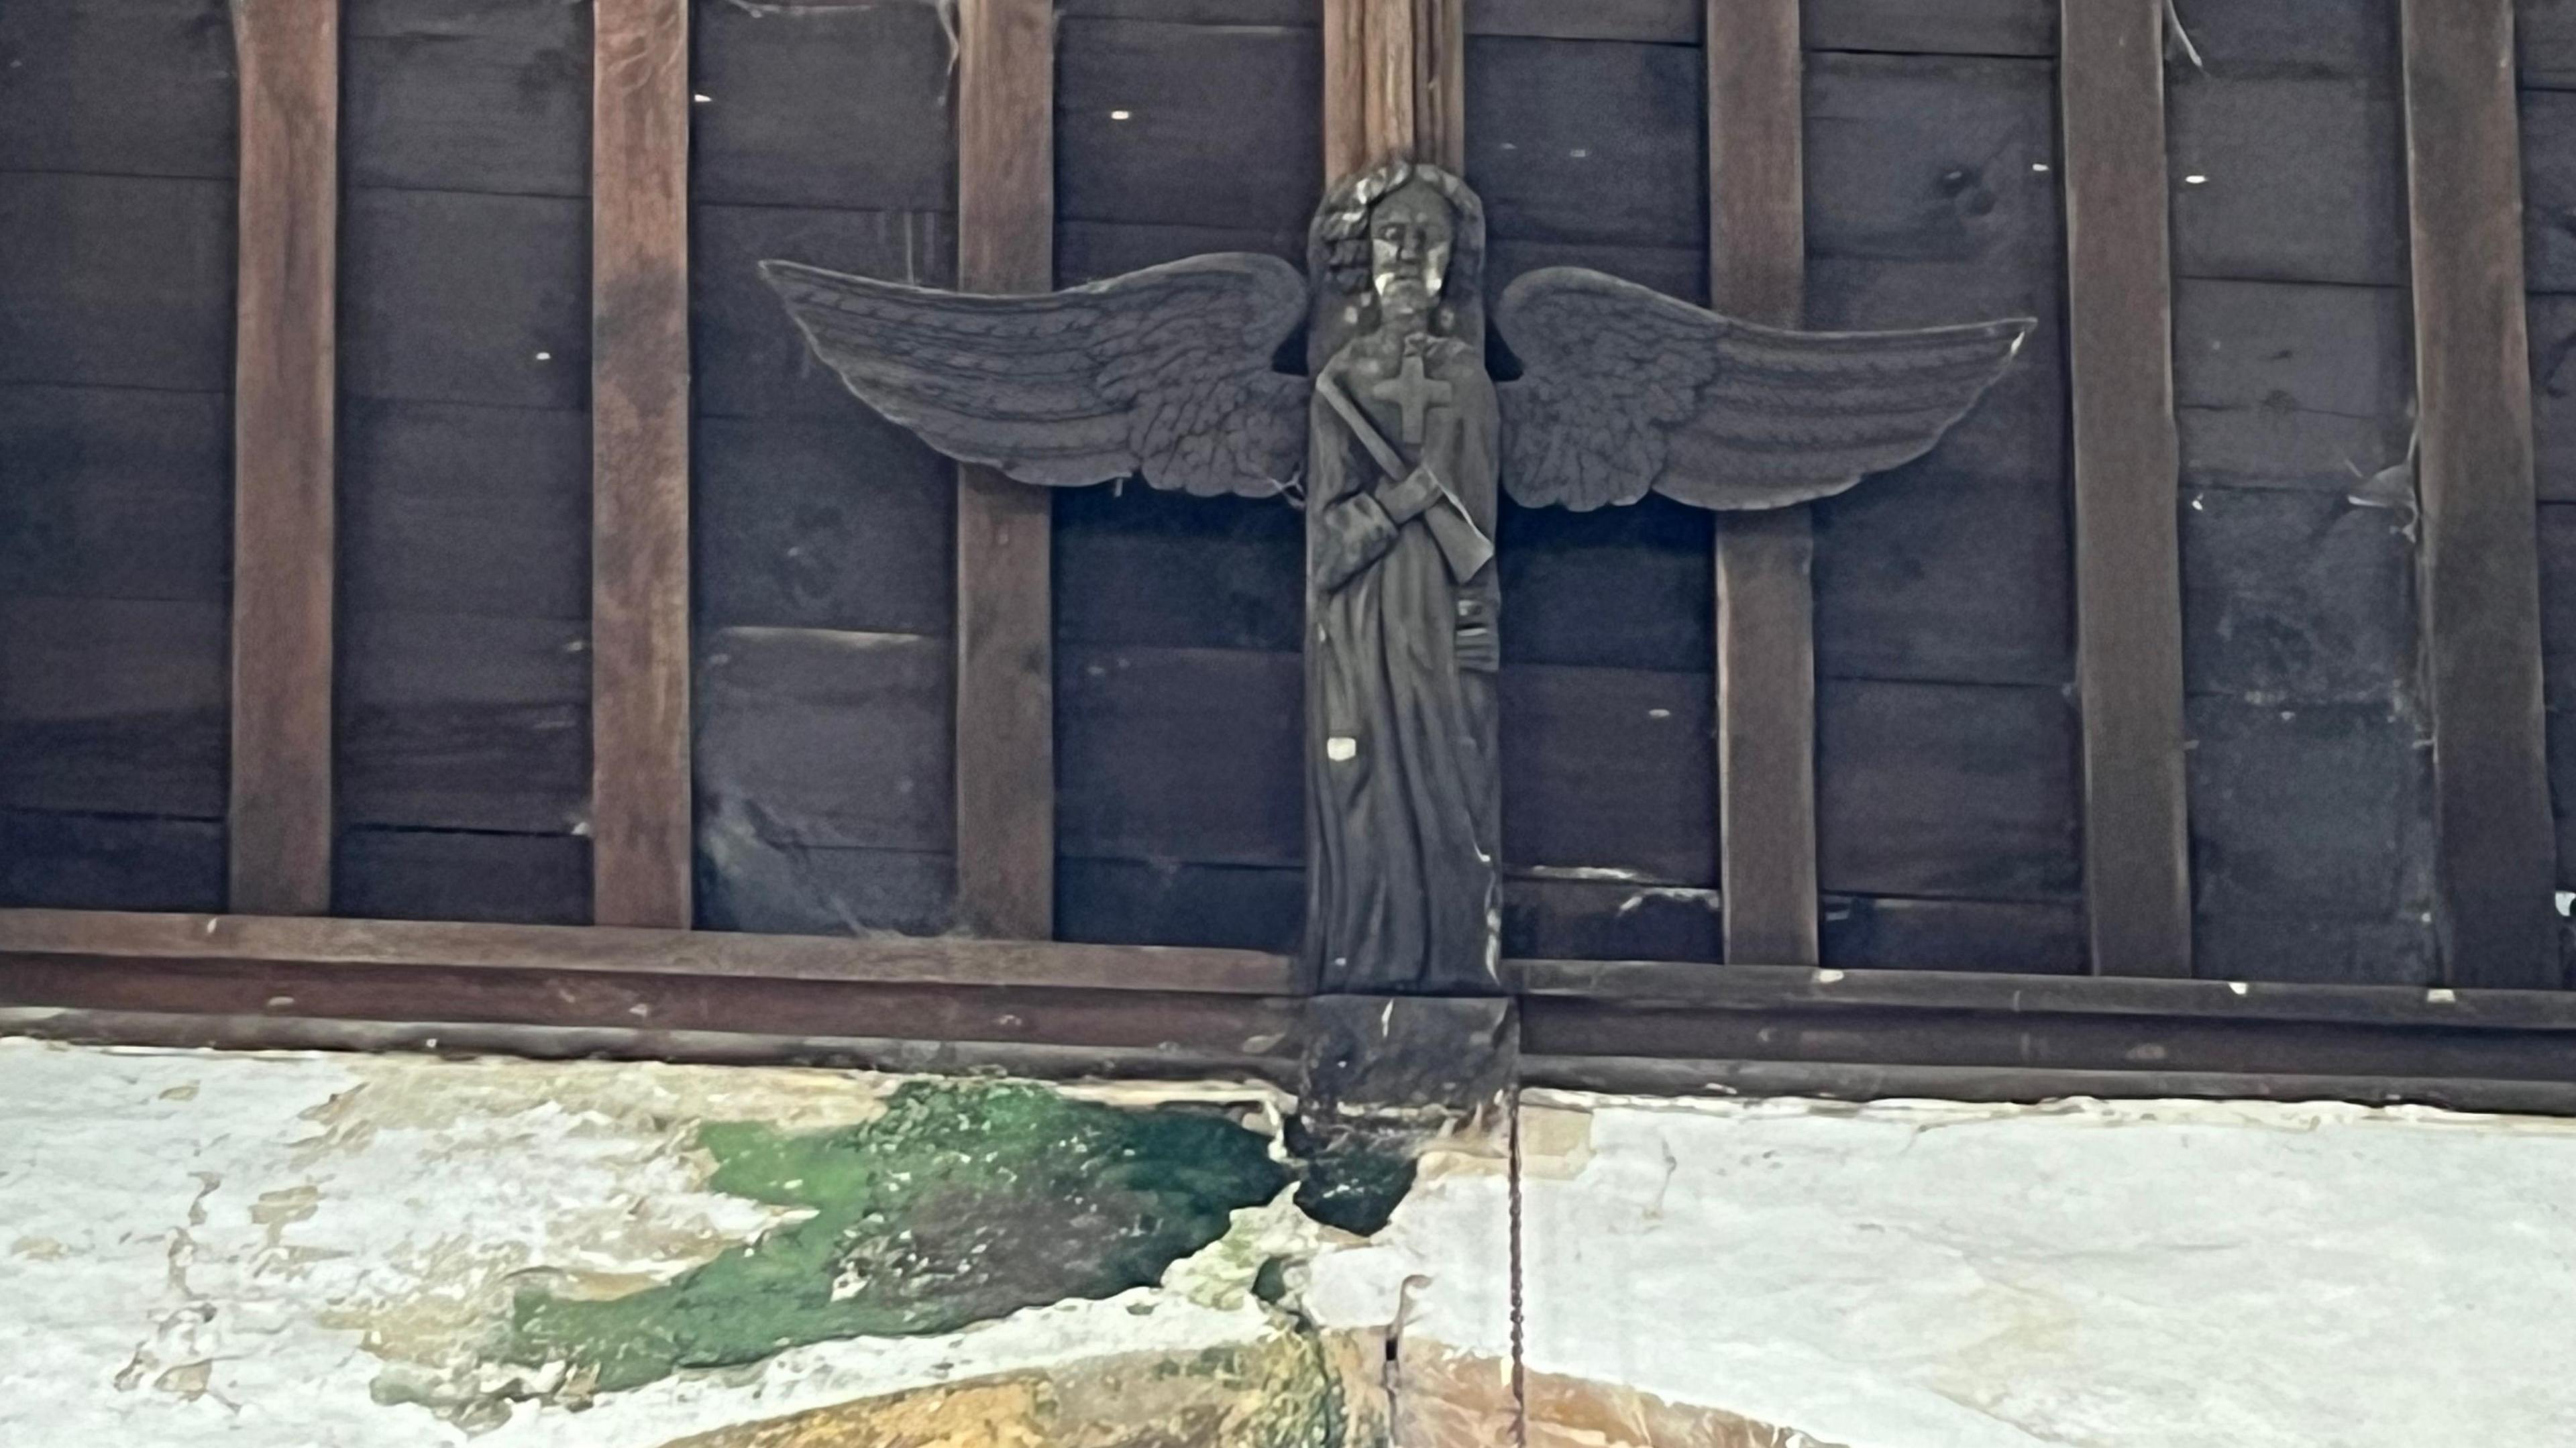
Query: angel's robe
[1403, 777]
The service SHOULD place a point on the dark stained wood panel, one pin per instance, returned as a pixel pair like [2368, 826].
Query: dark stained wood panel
[1963, 27]
[110, 862]
[1933, 198]
[278, 833]
[2545, 43]
[749, 882]
[2557, 541]
[2284, 385]
[114, 706]
[116, 281]
[458, 722]
[463, 509]
[1621, 587]
[2308, 824]
[1138, 566]
[1163, 902]
[454, 297]
[1596, 142]
[118, 87]
[1182, 754]
[2552, 323]
[1945, 790]
[1188, 125]
[818, 737]
[2305, 596]
[114, 493]
[468, 95]
[2481, 577]
[842, 522]
[406, 874]
[2287, 143]
[1609, 771]
[2549, 190]
[835, 105]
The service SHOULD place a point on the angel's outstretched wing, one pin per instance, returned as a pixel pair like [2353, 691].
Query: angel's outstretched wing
[1164, 372]
[1626, 390]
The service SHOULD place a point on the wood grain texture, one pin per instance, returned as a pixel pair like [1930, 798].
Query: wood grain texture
[2128, 589]
[279, 834]
[583, 950]
[1394, 83]
[1005, 730]
[640, 827]
[2480, 568]
[1765, 596]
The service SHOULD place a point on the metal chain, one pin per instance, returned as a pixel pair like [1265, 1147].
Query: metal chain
[1520, 1381]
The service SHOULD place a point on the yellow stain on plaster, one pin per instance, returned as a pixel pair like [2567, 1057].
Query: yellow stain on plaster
[1288, 1390]
[187, 1382]
[1449, 1399]
[39, 1249]
[186, 1092]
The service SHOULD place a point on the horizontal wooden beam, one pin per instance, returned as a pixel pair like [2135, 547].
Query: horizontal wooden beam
[109, 936]
[1755, 988]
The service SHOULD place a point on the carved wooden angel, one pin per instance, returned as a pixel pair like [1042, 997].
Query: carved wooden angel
[1400, 438]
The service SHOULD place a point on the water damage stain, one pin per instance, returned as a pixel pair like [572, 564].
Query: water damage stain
[961, 1203]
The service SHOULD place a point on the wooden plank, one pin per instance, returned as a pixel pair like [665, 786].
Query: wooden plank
[113, 706]
[839, 105]
[1188, 125]
[279, 832]
[116, 281]
[1591, 141]
[360, 945]
[133, 88]
[1951, 791]
[2128, 589]
[1005, 672]
[469, 95]
[1766, 628]
[2009, 993]
[2286, 149]
[115, 493]
[408, 874]
[2480, 564]
[457, 721]
[455, 297]
[110, 862]
[640, 827]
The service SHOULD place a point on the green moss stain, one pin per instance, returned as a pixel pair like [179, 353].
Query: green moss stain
[960, 1204]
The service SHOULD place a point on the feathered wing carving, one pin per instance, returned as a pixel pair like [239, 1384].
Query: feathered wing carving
[1625, 390]
[1164, 372]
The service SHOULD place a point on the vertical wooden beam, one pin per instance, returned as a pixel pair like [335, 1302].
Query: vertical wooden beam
[279, 840]
[1766, 647]
[639, 621]
[2128, 579]
[1005, 631]
[1395, 77]
[2480, 553]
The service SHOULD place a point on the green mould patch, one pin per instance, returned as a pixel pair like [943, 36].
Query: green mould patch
[962, 1203]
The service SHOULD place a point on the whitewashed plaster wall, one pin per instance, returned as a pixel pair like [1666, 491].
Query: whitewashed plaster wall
[301, 1250]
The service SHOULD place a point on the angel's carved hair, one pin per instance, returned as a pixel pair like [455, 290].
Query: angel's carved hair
[1338, 244]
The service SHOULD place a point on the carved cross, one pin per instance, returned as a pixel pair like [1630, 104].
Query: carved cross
[1414, 392]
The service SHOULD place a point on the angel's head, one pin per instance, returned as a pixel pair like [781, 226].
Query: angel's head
[1404, 242]
[1409, 242]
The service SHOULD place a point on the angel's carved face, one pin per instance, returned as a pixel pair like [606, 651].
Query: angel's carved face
[1409, 238]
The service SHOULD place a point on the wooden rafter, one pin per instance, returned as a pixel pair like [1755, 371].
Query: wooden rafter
[279, 839]
[1766, 645]
[2128, 580]
[1005, 628]
[641, 837]
[2480, 566]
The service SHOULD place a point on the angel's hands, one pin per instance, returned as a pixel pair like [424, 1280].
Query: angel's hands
[1410, 499]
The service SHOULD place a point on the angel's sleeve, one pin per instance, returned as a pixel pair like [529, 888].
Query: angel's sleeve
[1350, 531]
